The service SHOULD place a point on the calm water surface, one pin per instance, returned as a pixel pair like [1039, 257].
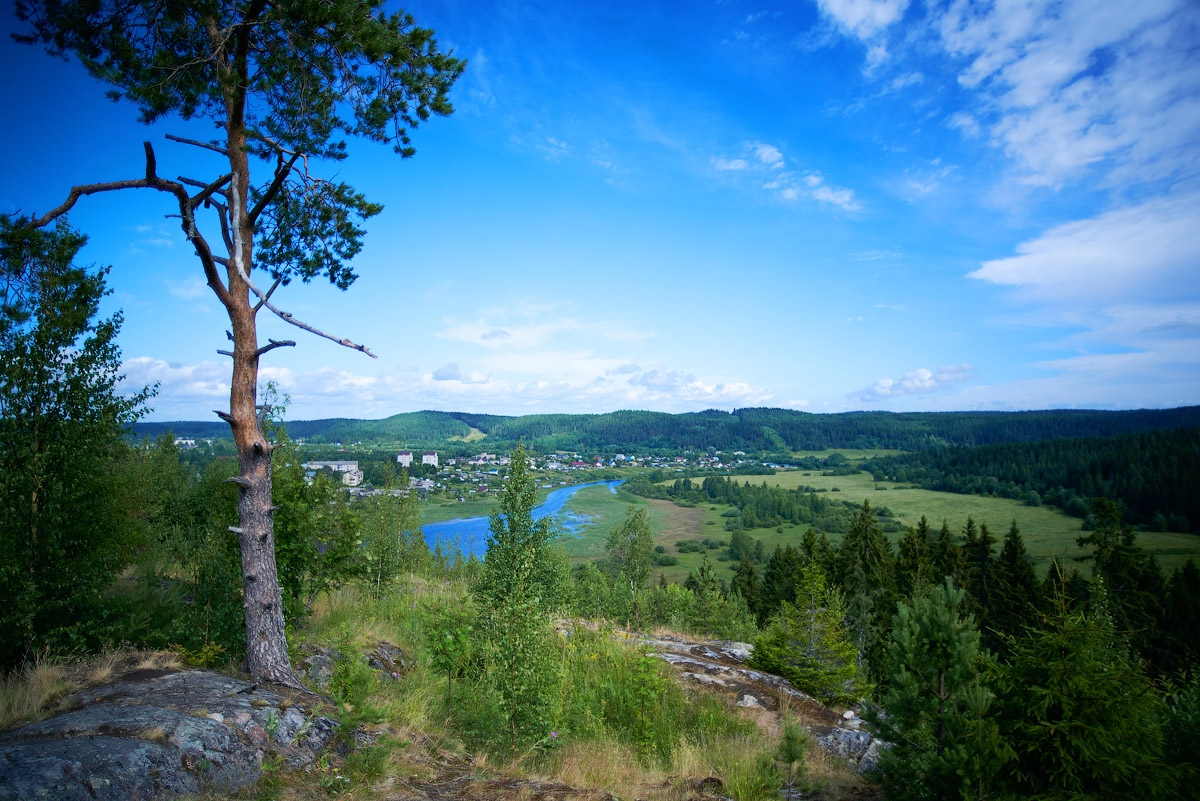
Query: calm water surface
[470, 534]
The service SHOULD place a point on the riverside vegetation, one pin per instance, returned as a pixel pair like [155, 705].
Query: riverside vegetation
[991, 678]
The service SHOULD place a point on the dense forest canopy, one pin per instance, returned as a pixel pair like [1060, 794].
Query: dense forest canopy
[751, 430]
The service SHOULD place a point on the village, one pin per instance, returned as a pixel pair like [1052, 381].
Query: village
[485, 473]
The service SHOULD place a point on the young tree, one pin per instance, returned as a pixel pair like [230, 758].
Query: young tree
[284, 82]
[64, 531]
[521, 584]
[631, 547]
[935, 710]
[807, 643]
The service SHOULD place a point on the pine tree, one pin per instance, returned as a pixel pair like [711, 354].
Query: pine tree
[936, 708]
[281, 83]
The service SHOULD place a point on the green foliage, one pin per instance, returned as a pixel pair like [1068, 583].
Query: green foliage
[1181, 721]
[1078, 711]
[935, 711]
[1132, 578]
[631, 547]
[317, 535]
[793, 743]
[807, 643]
[452, 645]
[211, 626]
[866, 575]
[520, 585]
[392, 539]
[63, 507]
[614, 691]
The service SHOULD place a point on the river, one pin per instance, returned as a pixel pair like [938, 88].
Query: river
[470, 534]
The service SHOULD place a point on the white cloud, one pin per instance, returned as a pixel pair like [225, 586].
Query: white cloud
[921, 381]
[1148, 252]
[1067, 87]
[767, 163]
[188, 288]
[730, 164]
[863, 19]
[554, 148]
[768, 155]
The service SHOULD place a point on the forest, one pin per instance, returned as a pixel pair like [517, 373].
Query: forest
[751, 430]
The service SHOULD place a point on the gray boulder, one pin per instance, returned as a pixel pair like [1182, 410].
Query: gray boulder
[158, 734]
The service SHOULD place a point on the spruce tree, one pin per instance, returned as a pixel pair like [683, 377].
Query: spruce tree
[867, 579]
[1015, 595]
[935, 711]
[1080, 714]
[1132, 577]
[807, 643]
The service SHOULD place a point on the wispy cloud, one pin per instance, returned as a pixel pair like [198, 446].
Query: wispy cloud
[1148, 251]
[1072, 86]
[766, 163]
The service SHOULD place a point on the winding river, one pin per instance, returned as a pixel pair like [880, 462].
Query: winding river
[469, 535]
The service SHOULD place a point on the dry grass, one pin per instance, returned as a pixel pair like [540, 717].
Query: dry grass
[24, 694]
[611, 767]
[30, 693]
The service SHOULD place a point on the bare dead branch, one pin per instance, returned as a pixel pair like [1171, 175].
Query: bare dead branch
[150, 181]
[228, 353]
[210, 188]
[288, 318]
[284, 343]
[281, 173]
[206, 145]
[270, 292]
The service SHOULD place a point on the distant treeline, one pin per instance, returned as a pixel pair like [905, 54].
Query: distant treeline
[777, 431]
[1153, 475]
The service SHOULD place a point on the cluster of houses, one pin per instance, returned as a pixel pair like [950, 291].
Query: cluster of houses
[484, 473]
[351, 475]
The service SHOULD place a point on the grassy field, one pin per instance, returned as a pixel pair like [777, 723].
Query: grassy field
[1047, 532]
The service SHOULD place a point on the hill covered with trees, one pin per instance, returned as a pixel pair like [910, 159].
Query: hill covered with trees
[752, 430]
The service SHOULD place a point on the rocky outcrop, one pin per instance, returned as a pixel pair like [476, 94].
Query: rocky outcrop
[160, 733]
[721, 666]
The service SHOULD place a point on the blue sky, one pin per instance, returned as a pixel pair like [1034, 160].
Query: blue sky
[826, 206]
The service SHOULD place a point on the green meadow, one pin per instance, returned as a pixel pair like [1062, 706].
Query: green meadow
[1048, 533]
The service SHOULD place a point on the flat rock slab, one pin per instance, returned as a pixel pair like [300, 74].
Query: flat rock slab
[157, 734]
